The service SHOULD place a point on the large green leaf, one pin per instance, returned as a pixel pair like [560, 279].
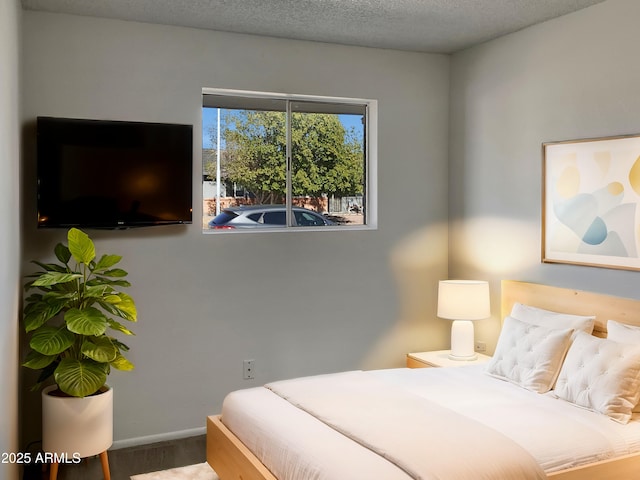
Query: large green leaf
[81, 246]
[80, 378]
[37, 361]
[88, 321]
[51, 340]
[97, 291]
[119, 327]
[39, 313]
[54, 278]
[125, 308]
[128, 306]
[62, 253]
[121, 363]
[116, 272]
[106, 261]
[100, 349]
[112, 299]
[61, 296]
[106, 281]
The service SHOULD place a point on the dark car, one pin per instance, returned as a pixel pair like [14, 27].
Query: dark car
[266, 216]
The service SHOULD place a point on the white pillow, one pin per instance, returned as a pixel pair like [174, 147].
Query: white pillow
[529, 355]
[601, 375]
[620, 332]
[549, 319]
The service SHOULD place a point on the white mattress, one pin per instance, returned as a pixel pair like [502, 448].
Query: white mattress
[294, 445]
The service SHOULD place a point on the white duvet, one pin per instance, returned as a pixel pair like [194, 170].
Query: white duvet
[426, 440]
[294, 445]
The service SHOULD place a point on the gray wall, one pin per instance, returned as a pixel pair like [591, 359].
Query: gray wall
[10, 232]
[569, 78]
[298, 303]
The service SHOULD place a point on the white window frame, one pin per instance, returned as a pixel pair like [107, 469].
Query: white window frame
[371, 159]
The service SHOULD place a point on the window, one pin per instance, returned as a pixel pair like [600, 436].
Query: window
[284, 162]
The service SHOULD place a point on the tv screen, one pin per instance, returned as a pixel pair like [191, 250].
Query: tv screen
[113, 174]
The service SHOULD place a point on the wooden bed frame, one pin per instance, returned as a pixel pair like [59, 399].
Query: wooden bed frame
[231, 459]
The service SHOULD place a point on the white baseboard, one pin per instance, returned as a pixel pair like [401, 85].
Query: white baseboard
[161, 437]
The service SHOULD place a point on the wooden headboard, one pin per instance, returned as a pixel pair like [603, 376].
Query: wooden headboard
[566, 300]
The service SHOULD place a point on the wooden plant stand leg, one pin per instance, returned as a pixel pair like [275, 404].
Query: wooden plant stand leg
[104, 460]
[53, 471]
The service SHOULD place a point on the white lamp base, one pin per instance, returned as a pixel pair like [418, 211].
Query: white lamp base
[468, 358]
[462, 341]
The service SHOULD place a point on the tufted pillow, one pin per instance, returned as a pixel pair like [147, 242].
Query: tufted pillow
[529, 355]
[549, 319]
[601, 375]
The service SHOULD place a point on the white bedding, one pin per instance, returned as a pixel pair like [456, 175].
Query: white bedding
[294, 445]
[398, 425]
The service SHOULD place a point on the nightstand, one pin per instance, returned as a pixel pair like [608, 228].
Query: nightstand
[440, 358]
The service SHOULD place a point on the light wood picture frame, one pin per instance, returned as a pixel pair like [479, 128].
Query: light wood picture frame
[591, 202]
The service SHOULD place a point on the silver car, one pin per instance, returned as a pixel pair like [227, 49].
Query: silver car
[266, 216]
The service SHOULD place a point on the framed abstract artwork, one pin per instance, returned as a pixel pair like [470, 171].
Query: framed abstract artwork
[591, 202]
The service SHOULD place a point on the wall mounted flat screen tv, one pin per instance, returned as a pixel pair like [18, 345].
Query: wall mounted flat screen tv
[113, 174]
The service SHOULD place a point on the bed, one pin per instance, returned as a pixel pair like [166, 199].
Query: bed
[286, 431]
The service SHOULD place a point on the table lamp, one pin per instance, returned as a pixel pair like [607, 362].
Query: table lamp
[463, 301]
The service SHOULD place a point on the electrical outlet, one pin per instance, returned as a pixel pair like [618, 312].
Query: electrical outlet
[248, 372]
[481, 347]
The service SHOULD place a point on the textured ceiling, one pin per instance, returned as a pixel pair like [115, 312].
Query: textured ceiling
[438, 26]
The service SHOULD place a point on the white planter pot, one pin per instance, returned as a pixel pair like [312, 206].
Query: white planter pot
[81, 426]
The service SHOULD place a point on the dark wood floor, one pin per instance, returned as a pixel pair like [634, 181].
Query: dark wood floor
[132, 461]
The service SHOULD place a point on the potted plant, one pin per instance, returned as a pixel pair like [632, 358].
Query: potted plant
[70, 319]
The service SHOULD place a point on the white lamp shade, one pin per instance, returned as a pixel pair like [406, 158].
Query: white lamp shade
[463, 300]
